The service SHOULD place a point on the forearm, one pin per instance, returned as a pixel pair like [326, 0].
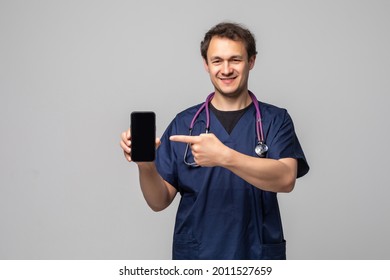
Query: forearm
[266, 174]
[156, 192]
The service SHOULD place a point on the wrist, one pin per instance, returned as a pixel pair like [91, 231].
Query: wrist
[227, 157]
[145, 165]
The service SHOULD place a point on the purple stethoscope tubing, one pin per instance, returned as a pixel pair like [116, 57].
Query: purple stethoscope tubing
[205, 105]
[261, 148]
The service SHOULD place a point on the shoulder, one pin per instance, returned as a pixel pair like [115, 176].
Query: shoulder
[181, 122]
[272, 111]
[186, 115]
[189, 111]
[275, 117]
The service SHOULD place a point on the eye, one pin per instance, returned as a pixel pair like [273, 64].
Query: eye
[236, 60]
[216, 61]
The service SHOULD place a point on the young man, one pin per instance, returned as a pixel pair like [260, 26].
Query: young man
[228, 178]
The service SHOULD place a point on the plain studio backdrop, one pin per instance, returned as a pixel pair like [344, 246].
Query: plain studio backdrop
[71, 72]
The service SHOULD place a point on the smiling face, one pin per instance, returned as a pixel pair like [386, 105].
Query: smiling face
[228, 66]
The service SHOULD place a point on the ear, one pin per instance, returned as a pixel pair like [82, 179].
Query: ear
[206, 66]
[252, 60]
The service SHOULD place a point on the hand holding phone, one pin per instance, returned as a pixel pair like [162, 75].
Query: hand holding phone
[143, 136]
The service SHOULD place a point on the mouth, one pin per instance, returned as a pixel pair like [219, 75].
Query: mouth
[227, 80]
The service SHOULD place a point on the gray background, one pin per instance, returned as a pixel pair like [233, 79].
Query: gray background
[72, 71]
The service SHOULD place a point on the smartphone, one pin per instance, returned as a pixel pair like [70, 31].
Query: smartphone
[143, 136]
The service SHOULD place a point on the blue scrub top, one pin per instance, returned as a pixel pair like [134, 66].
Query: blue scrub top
[221, 216]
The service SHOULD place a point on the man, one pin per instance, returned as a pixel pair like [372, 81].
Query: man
[228, 207]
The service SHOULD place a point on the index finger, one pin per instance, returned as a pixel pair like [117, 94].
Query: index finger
[184, 139]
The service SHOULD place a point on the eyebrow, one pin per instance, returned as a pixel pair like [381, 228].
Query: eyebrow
[230, 58]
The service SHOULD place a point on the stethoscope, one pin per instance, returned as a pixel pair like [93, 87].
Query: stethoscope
[260, 149]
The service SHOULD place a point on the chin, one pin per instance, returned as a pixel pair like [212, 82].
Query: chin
[230, 93]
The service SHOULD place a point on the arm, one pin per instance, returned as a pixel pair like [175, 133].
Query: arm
[266, 174]
[263, 173]
[157, 192]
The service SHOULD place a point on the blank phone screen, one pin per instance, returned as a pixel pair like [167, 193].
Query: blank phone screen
[143, 136]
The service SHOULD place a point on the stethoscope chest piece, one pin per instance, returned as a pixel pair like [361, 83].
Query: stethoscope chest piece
[261, 149]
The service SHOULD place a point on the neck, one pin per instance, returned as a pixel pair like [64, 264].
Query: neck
[231, 103]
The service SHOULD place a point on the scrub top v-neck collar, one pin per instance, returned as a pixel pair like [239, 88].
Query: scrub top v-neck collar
[229, 119]
[223, 134]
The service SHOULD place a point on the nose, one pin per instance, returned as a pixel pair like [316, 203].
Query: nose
[226, 69]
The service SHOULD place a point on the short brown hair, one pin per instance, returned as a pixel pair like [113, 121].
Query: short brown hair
[232, 31]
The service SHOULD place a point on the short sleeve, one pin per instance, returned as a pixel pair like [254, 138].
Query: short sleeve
[166, 157]
[285, 144]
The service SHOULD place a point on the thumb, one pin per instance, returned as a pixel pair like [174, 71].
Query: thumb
[158, 142]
